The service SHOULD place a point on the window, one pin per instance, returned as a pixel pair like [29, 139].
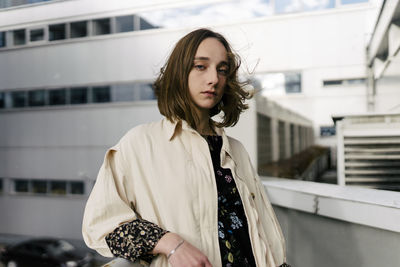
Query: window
[280, 83]
[57, 32]
[146, 92]
[39, 187]
[57, 97]
[124, 24]
[327, 130]
[79, 95]
[77, 188]
[346, 2]
[37, 98]
[144, 25]
[18, 99]
[101, 26]
[345, 82]
[124, 92]
[78, 29]
[36, 35]
[19, 37]
[2, 100]
[2, 39]
[1, 185]
[292, 83]
[101, 94]
[21, 186]
[58, 187]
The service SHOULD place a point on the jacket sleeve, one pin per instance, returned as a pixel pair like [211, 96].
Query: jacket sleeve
[109, 213]
[108, 205]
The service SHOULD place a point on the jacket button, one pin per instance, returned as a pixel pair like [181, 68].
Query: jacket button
[253, 196]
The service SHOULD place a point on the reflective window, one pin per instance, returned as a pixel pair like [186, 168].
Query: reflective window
[19, 37]
[39, 187]
[327, 130]
[2, 39]
[124, 92]
[58, 187]
[2, 100]
[36, 35]
[78, 95]
[101, 26]
[1, 185]
[124, 24]
[78, 29]
[77, 188]
[57, 97]
[279, 83]
[18, 99]
[37, 98]
[101, 94]
[290, 6]
[57, 32]
[21, 186]
[346, 2]
[145, 25]
[146, 92]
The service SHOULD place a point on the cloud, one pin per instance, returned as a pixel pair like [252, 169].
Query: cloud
[306, 5]
[202, 15]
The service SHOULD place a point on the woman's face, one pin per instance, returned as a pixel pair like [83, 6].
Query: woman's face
[207, 78]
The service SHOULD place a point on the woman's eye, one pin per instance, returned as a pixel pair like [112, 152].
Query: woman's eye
[223, 71]
[200, 67]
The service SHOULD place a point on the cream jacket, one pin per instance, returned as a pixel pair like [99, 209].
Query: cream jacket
[163, 172]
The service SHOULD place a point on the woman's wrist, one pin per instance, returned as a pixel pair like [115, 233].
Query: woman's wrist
[167, 243]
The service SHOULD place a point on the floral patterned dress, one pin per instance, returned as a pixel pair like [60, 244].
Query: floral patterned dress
[234, 240]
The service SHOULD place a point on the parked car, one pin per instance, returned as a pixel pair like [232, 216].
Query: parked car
[47, 252]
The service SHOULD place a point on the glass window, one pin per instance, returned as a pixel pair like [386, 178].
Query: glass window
[332, 82]
[58, 187]
[124, 24]
[19, 37]
[292, 83]
[101, 94]
[57, 32]
[1, 185]
[290, 6]
[327, 130]
[36, 35]
[79, 95]
[356, 81]
[346, 2]
[145, 25]
[39, 187]
[124, 92]
[18, 99]
[146, 92]
[279, 83]
[77, 188]
[37, 98]
[78, 29]
[101, 26]
[2, 39]
[2, 100]
[21, 186]
[57, 97]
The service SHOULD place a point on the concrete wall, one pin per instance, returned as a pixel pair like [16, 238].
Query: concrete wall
[314, 241]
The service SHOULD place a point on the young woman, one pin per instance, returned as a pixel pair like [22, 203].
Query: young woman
[179, 192]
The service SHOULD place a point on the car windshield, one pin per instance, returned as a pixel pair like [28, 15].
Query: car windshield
[59, 247]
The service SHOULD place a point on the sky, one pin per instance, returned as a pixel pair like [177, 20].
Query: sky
[225, 11]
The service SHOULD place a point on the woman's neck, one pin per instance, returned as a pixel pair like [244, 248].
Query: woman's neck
[204, 126]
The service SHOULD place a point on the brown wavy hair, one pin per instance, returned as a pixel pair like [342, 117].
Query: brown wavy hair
[172, 90]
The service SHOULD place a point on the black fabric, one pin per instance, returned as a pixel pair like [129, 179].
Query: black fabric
[233, 232]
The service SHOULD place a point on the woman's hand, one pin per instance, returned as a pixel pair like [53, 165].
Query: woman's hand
[185, 256]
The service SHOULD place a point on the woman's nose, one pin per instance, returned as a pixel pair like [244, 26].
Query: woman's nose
[212, 77]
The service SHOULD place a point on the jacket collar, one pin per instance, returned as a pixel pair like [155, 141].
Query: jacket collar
[175, 128]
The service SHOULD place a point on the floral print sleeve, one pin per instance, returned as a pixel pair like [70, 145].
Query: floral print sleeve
[134, 240]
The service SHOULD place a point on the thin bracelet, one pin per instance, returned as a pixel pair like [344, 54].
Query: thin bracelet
[174, 250]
